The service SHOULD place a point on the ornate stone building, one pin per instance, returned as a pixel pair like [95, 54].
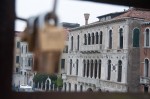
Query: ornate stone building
[105, 55]
[23, 62]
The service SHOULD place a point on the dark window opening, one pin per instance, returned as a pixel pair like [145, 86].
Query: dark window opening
[78, 43]
[109, 70]
[136, 34]
[146, 89]
[110, 39]
[69, 87]
[101, 37]
[97, 38]
[99, 73]
[84, 68]
[87, 68]
[95, 69]
[75, 87]
[93, 39]
[85, 39]
[77, 67]
[62, 63]
[121, 38]
[147, 37]
[70, 66]
[91, 69]
[18, 44]
[146, 67]
[72, 43]
[17, 59]
[89, 39]
[119, 70]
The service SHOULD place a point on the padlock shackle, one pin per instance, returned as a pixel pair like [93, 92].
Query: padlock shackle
[52, 16]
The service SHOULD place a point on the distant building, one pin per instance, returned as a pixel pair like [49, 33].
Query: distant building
[23, 61]
[145, 57]
[105, 55]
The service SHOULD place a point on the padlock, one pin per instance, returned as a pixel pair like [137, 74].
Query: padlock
[46, 41]
[49, 45]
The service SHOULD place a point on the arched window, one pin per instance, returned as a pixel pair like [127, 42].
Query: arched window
[75, 87]
[110, 39]
[97, 38]
[69, 87]
[84, 68]
[71, 42]
[93, 38]
[121, 38]
[89, 39]
[101, 37]
[146, 72]
[99, 73]
[70, 66]
[95, 75]
[136, 37]
[119, 71]
[78, 43]
[77, 67]
[65, 86]
[91, 69]
[109, 70]
[87, 68]
[85, 39]
[147, 37]
[81, 88]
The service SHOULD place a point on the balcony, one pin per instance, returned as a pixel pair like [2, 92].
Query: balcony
[145, 80]
[91, 48]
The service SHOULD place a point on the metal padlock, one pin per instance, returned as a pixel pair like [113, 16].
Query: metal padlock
[49, 45]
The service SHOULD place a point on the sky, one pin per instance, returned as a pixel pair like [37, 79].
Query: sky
[67, 10]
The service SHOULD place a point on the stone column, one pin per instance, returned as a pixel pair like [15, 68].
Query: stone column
[93, 70]
[89, 69]
[97, 77]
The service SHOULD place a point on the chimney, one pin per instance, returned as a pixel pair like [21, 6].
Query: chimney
[86, 16]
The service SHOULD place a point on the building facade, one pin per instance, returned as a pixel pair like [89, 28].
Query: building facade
[145, 57]
[23, 62]
[104, 55]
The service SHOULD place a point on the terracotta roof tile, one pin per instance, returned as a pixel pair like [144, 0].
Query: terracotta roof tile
[136, 13]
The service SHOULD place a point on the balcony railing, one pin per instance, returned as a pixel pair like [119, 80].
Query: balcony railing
[145, 80]
[91, 48]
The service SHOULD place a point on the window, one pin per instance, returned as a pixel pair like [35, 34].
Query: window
[87, 72]
[110, 39]
[78, 43]
[77, 67]
[81, 88]
[89, 39]
[30, 62]
[85, 39]
[97, 38]
[101, 37]
[69, 87]
[121, 38]
[62, 63]
[119, 70]
[109, 70]
[65, 86]
[70, 66]
[84, 68]
[18, 44]
[75, 87]
[17, 59]
[72, 43]
[99, 71]
[91, 69]
[136, 34]
[146, 69]
[93, 39]
[147, 37]
[95, 69]
[22, 49]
